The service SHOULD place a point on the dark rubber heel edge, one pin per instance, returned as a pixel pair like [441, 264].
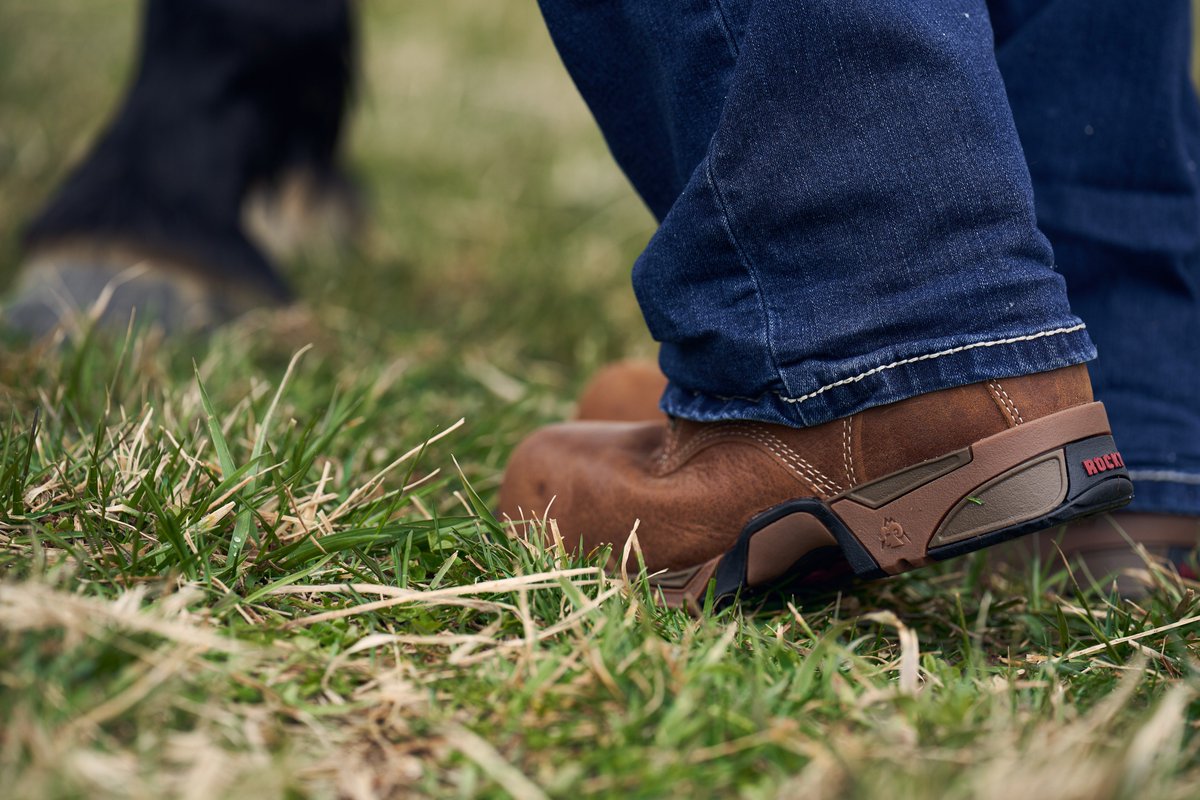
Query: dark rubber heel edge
[731, 572]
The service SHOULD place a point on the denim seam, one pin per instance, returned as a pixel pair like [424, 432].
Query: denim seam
[1051, 183]
[746, 265]
[723, 20]
[927, 357]
[1164, 476]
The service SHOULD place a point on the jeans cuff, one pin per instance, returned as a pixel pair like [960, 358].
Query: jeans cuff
[939, 366]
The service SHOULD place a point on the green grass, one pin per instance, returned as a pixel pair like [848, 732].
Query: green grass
[224, 577]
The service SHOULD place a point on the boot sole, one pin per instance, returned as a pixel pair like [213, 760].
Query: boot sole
[1038, 475]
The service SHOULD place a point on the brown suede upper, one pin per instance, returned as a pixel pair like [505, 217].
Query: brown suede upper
[691, 487]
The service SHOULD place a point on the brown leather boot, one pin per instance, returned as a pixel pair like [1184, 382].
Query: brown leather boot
[1098, 549]
[624, 391]
[752, 506]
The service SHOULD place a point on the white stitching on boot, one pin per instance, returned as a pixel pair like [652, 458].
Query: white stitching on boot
[803, 469]
[1003, 398]
[848, 454]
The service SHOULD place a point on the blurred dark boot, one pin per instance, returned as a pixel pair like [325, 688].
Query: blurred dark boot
[230, 97]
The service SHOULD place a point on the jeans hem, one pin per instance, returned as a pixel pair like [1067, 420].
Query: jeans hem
[974, 362]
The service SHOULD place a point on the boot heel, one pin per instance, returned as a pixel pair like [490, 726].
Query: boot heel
[1037, 475]
[1084, 478]
[1044, 473]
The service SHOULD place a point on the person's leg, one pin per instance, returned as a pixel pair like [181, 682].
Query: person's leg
[1110, 124]
[1111, 130]
[852, 221]
[851, 293]
[229, 96]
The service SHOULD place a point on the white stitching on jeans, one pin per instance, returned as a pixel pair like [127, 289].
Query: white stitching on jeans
[1164, 476]
[1039, 335]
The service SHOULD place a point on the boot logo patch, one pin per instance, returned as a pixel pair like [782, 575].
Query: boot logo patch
[893, 535]
[1094, 466]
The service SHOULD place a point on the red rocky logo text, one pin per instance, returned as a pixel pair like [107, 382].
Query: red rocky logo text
[1104, 463]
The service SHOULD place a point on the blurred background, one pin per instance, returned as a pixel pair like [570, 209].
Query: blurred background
[496, 227]
[494, 214]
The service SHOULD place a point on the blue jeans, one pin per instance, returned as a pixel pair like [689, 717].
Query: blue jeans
[847, 212]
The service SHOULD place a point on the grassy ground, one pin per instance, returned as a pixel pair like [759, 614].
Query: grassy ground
[223, 575]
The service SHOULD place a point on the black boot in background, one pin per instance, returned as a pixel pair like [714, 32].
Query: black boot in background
[230, 97]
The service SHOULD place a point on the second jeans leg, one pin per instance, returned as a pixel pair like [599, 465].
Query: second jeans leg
[1111, 128]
